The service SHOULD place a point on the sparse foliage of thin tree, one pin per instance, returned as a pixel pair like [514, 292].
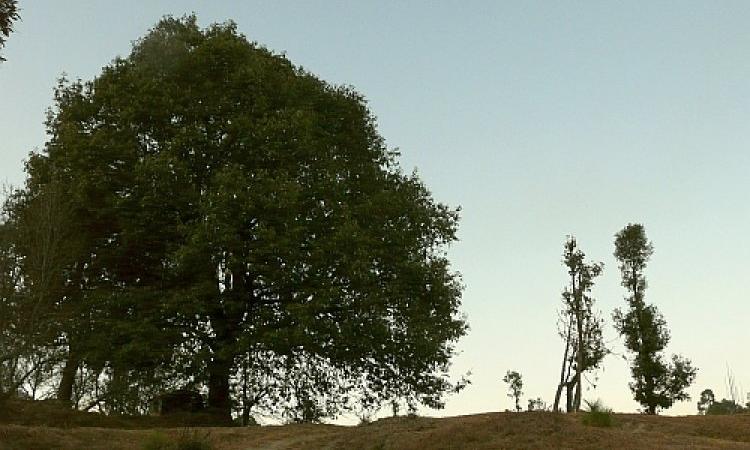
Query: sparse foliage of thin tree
[515, 387]
[734, 392]
[11, 343]
[656, 384]
[580, 326]
[36, 244]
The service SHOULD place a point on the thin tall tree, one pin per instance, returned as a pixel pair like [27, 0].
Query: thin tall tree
[580, 326]
[656, 384]
[515, 387]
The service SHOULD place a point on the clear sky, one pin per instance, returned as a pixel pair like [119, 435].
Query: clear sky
[540, 119]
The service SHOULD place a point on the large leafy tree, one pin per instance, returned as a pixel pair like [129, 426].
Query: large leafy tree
[231, 204]
[580, 326]
[8, 15]
[656, 384]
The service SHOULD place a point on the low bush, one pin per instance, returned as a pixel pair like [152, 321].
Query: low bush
[186, 440]
[597, 415]
[157, 441]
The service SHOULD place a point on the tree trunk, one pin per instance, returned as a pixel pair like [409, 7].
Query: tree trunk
[581, 351]
[245, 415]
[642, 357]
[556, 407]
[565, 365]
[569, 397]
[65, 389]
[577, 382]
[219, 401]
[245, 399]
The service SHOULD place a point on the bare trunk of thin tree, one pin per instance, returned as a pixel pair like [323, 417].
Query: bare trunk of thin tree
[558, 393]
[577, 395]
[564, 366]
[578, 380]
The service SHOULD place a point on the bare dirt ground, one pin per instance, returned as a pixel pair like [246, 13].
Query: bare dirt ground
[482, 431]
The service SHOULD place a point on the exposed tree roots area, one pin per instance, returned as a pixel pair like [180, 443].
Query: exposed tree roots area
[482, 431]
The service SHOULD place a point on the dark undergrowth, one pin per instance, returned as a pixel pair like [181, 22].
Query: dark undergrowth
[51, 413]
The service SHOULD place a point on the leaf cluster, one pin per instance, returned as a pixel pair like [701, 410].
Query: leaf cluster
[8, 15]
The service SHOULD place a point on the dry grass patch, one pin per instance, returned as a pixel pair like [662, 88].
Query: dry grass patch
[537, 430]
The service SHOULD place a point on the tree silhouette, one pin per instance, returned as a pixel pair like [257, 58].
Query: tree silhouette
[515, 386]
[706, 400]
[232, 204]
[656, 384]
[580, 326]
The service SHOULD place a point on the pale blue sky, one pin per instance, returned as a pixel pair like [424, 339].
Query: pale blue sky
[540, 119]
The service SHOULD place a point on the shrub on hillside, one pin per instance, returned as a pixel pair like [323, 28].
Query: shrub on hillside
[537, 404]
[186, 440]
[725, 407]
[157, 441]
[597, 415]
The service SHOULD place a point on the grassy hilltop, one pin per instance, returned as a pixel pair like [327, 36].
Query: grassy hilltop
[40, 426]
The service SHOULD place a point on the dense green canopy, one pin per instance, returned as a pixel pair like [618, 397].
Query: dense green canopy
[230, 204]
